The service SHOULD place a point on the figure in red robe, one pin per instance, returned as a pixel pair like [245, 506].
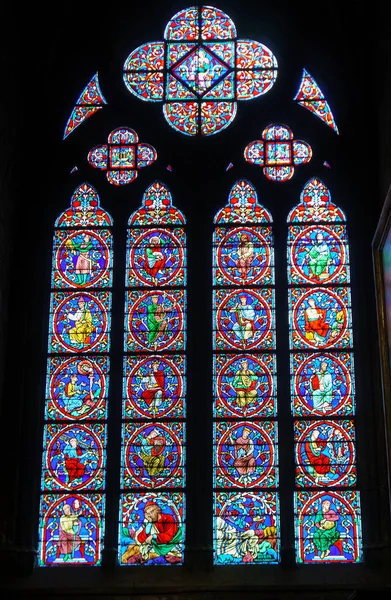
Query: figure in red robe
[320, 463]
[154, 393]
[159, 535]
[154, 258]
[316, 328]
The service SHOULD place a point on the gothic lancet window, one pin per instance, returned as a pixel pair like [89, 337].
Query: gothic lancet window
[152, 505]
[327, 503]
[72, 508]
[246, 507]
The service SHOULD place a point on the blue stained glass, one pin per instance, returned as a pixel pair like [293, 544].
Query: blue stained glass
[154, 383]
[72, 508]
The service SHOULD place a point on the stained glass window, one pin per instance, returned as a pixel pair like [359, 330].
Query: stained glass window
[89, 102]
[152, 504]
[200, 71]
[72, 508]
[327, 503]
[278, 153]
[122, 156]
[246, 509]
[311, 97]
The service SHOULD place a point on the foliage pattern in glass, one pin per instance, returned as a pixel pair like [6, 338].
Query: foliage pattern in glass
[312, 98]
[89, 102]
[200, 71]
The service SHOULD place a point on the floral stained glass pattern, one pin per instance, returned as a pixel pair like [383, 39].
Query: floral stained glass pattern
[152, 504]
[72, 508]
[200, 71]
[246, 514]
[327, 507]
[311, 97]
[122, 157]
[89, 102]
[278, 153]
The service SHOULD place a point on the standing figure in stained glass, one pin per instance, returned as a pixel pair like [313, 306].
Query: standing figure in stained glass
[322, 389]
[319, 258]
[80, 333]
[69, 538]
[245, 255]
[152, 452]
[159, 535]
[154, 392]
[155, 259]
[244, 384]
[156, 319]
[245, 316]
[326, 533]
[83, 266]
[244, 455]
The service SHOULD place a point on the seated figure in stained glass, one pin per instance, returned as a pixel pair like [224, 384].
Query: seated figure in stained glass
[160, 534]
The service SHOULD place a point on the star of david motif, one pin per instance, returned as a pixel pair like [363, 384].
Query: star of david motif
[200, 71]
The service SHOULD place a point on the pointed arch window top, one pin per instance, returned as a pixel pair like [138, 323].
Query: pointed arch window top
[312, 98]
[85, 210]
[315, 204]
[157, 208]
[89, 102]
[243, 206]
[200, 71]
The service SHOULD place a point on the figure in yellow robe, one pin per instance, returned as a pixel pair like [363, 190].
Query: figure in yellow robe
[80, 333]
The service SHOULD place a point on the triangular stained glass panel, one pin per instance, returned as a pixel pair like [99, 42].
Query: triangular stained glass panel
[312, 98]
[224, 50]
[175, 90]
[178, 50]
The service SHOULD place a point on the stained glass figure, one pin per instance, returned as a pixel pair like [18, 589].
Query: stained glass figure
[322, 384]
[245, 454]
[122, 156]
[160, 512]
[151, 529]
[200, 71]
[311, 97]
[328, 527]
[245, 385]
[82, 258]
[325, 453]
[154, 387]
[156, 257]
[153, 455]
[246, 528]
[320, 317]
[322, 380]
[318, 254]
[244, 319]
[77, 388]
[278, 153]
[74, 456]
[89, 102]
[72, 509]
[244, 382]
[71, 529]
